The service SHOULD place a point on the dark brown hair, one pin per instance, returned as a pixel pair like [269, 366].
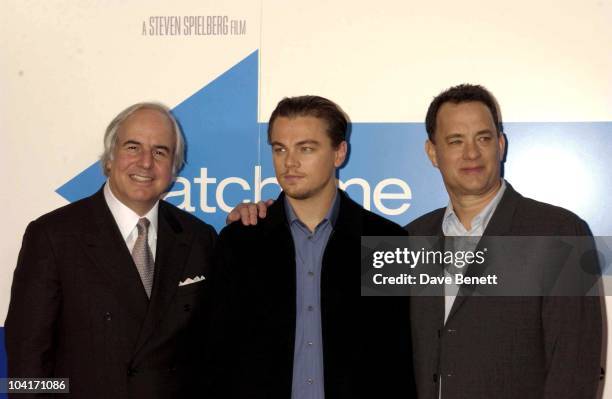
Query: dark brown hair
[461, 94]
[315, 106]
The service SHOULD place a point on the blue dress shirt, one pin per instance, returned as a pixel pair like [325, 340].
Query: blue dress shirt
[308, 350]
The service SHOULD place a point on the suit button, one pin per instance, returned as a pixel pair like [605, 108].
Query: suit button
[131, 372]
[107, 316]
[435, 378]
[187, 307]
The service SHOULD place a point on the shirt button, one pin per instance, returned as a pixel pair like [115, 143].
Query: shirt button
[310, 308]
[310, 380]
[310, 273]
[108, 316]
[309, 343]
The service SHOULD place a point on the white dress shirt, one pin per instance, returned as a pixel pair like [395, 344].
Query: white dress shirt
[127, 220]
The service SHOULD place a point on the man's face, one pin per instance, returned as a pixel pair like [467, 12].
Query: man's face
[304, 159]
[141, 168]
[467, 149]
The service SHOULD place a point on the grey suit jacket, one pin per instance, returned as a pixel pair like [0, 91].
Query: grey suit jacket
[78, 308]
[508, 347]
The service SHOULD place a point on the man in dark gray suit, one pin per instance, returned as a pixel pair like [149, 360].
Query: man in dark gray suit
[496, 347]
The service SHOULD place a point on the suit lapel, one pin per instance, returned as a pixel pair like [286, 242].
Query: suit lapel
[173, 245]
[107, 251]
[499, 225]
[501, 221]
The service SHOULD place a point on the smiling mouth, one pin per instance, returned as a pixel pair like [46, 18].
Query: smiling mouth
[140, 178]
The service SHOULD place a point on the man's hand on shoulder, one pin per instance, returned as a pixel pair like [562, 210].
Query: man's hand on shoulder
[247, 213]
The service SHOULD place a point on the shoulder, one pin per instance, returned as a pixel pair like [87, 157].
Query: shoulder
[528, 207]
[274, 223]
[66, 224]
[549, 219]
[68, 217]
[376, 225]
[238, 231]
[187, 220]
[355, 217]
[427, 224]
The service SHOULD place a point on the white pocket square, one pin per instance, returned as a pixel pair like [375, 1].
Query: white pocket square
[194, 280]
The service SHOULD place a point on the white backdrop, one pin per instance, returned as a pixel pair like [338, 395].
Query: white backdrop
[67, 67]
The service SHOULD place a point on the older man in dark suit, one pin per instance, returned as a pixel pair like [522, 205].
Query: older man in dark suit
[496, 347]
[108, 291]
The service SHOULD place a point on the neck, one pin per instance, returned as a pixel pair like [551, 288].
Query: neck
[466, 207]
[311, 211]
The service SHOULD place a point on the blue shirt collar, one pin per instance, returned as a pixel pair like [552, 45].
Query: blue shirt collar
[331, 215]
[451, 226]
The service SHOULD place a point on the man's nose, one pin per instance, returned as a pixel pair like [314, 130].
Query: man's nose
[291, 160]
[146, 159]
[471, 150]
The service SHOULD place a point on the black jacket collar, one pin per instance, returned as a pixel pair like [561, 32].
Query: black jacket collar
[348, 222]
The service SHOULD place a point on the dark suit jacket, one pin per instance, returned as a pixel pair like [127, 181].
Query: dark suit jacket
[508, 347]
[78, 308]
[366, 341]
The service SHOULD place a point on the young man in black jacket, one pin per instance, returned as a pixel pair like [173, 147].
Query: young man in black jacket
[290, 322]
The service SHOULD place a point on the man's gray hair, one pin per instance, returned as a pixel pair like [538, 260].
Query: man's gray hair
[110, 137]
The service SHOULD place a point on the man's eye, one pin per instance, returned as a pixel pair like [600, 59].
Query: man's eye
[278, 149]
[131, 148]
[307, 149]
[484, 138]
[160, 153]
[454, 142]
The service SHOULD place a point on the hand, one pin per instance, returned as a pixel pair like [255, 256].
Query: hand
[247, 213]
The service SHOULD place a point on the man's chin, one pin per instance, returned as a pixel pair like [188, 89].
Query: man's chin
[144, 197]
[296, 194]
[475, 188]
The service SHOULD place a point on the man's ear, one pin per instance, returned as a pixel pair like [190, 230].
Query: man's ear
[340, 154]
[430, 150]
[501, 142]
